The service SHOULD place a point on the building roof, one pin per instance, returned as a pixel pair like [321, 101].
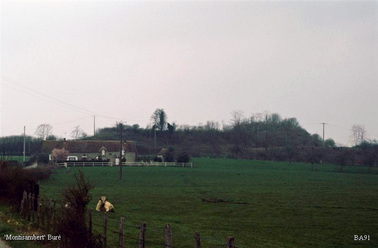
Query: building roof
[87, 146]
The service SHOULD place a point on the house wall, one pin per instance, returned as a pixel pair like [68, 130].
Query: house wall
[130, 157]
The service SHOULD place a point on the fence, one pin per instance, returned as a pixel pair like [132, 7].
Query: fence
[158, 164]
[127, 164]
[44, 213]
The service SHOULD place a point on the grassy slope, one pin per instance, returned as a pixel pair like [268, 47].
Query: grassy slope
[264, 204]
[12, 223]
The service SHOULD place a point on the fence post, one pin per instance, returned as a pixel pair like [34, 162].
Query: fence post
[41, 213]
[90, 226]
[230, 242]
[105, 225]
[142, 235]
[121, 224]
[32, 207]
[49, 215]
[90, 222]
[29, 205]
[54, 215]
[198, 239]
[38, 211]
[168, 236]
[23, 203]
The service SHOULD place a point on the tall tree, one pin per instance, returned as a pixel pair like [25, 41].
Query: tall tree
[237, 118]
[159, 119]
[358, 134]
[43, 131]
[77, 133]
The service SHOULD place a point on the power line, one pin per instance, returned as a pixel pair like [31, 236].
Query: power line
[30, 91]
[40, 95]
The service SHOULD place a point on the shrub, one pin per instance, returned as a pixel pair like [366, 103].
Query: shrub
[14, 180]
[71, 222]
[158, 159]
[59, 154]
[43, 158]
[183, 158]
[169, 155]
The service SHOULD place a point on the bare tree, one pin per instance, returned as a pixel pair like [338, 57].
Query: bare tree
[358, 134]
[43, 131]
[212, 125]
[237, 118]
[77, 133]
[258, 117]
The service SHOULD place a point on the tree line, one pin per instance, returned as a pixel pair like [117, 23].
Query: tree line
[14, 145]
[260, 136]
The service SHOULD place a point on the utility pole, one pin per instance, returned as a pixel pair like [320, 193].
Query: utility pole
[24, 143]
[120, 153]
[94, 125]
[323, 133]
[155, 138]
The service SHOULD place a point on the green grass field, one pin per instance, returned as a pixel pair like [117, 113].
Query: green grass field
[261, 204]
[12, 223]
[19, 159]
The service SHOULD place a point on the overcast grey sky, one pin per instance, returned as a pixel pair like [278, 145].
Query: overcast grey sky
[64, 61]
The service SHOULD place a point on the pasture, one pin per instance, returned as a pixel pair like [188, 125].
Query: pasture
[19, 159]
[261, 204]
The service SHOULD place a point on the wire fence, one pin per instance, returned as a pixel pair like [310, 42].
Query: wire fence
[45, 213]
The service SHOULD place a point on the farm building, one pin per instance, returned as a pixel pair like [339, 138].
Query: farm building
[105, 150]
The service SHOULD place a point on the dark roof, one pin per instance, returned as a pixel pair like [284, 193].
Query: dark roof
[87, 146]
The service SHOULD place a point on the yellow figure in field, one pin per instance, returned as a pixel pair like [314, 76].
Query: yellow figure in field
[104, 205]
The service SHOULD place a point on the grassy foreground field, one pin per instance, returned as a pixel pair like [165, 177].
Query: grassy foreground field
[261, 204]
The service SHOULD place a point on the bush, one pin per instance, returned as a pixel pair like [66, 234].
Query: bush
[169, 155]
[71, 223]
[158, 159]
[43, 158]
[146, 158]
[183, 158]
[14, 180]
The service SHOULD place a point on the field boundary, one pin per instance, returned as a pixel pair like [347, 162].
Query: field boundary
[45, 212]
[126, 164]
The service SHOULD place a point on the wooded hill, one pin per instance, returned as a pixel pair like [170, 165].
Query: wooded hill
[264, 137]
[252, 138]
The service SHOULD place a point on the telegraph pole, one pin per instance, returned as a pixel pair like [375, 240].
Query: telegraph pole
[323, 132]
[24, 144]
[94, 125]
[120, 153]
[155, 138]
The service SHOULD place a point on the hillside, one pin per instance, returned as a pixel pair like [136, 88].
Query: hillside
[265, 138]
[251, 138]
